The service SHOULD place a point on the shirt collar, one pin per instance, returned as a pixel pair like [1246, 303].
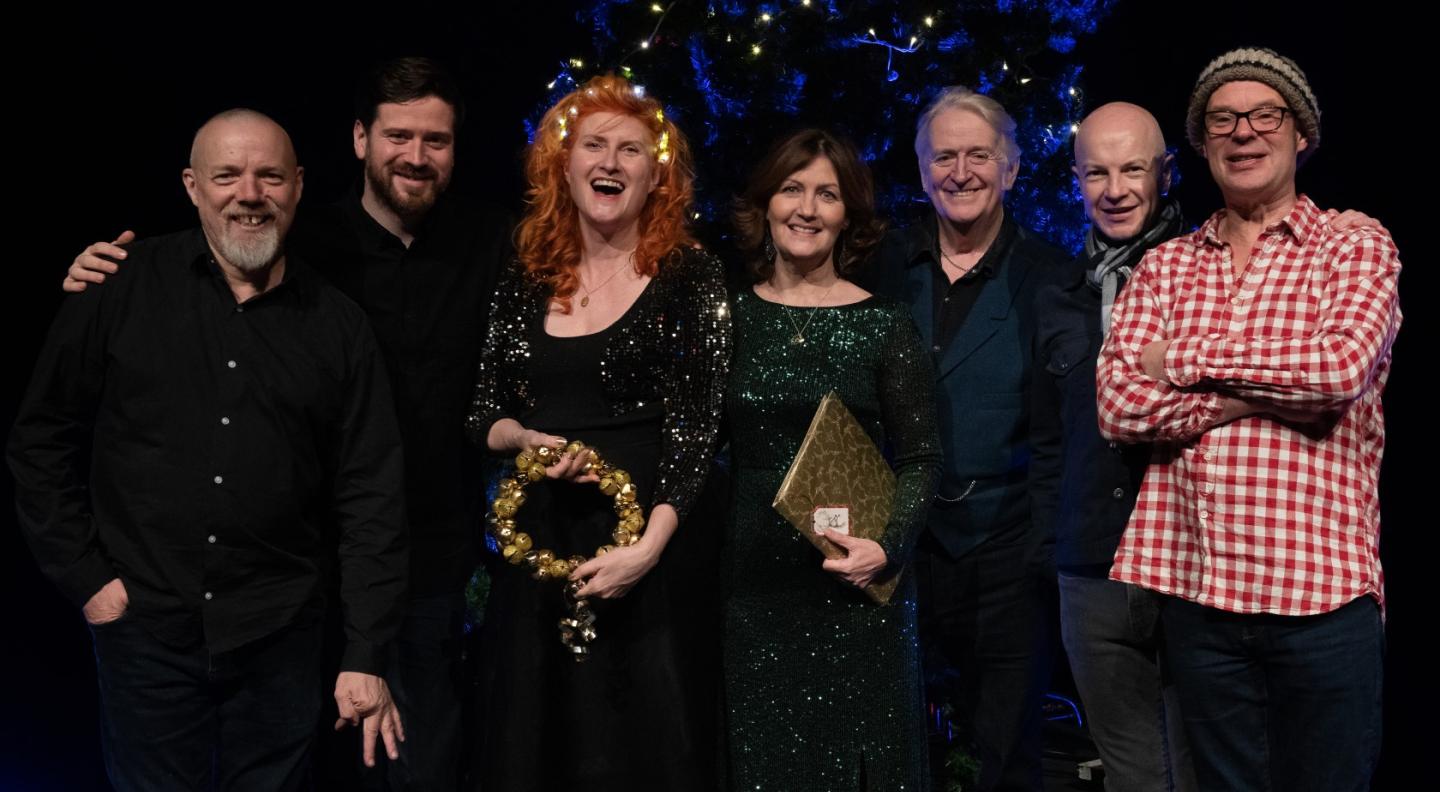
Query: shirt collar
[1304, 219]
[362, 220]
[202, 262]
[922, 244]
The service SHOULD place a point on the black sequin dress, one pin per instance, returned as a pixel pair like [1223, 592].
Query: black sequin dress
[822, 686]
[641, 712]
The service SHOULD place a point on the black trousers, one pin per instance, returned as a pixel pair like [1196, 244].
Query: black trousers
[983, 638]
[424, 677]
[180, 719]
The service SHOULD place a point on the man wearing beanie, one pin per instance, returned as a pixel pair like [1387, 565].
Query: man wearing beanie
[1252, 353]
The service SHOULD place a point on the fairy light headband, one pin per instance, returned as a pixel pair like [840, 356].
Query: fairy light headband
[662, 147]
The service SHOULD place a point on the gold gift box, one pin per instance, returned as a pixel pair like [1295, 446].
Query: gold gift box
[838, 465]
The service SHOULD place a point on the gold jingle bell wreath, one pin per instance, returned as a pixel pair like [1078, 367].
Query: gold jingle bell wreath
[578, 629]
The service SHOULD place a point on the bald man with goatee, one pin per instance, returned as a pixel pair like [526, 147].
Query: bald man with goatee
[193, 439]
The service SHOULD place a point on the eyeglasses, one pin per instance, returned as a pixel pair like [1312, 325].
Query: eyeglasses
[1262, 119]
[978, 158]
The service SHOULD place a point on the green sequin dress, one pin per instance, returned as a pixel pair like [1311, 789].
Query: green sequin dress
[823, 686]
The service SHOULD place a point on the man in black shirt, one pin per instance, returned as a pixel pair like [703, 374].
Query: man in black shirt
[191, 435]
[969, 274]
[422, 263]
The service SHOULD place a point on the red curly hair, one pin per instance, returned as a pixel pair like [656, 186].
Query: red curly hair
[547, 240]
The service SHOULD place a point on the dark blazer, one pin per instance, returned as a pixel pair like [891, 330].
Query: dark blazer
[1082, 486]
[982, 378]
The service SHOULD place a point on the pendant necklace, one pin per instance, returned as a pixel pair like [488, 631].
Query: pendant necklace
[585, 301]
[963, 271]
[799, 338]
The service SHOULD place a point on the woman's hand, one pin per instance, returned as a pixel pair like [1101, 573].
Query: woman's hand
[508, 436]
[613, 575]
[864, 559]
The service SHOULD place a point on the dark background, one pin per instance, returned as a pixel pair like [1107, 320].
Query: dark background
[102, 114]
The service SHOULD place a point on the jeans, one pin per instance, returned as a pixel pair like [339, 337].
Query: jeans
[1112, 636]
[982, 631]
[1278, 702]
[188, 719]
[424, 677]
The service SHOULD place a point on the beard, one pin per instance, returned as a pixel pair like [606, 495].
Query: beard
[251, 252]
[409, 206]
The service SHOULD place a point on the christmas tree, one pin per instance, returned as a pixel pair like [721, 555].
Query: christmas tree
[736, 75]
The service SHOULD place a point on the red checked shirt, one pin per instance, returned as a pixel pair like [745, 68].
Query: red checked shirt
[1258, 515]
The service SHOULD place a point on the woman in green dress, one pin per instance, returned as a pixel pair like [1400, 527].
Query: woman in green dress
[823, 686]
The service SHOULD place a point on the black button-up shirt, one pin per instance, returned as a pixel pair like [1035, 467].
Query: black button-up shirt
[428, 304]
[953, 301]
[207, 453]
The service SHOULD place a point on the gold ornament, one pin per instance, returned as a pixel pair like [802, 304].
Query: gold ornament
[578, 629]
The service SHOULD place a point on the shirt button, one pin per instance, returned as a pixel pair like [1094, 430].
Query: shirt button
[239, 309]
[946, 300]
[1118, 493]
[1114, 445]
[935, 348]
[210, 538]
[230, 363]
[1204, 515]
[219, 479]
[224, 421]
[1209, 488]
[209, 596]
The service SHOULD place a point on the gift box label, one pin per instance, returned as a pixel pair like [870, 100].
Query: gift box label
[831, 518]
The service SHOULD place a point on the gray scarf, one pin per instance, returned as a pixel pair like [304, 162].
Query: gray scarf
[1111, 263]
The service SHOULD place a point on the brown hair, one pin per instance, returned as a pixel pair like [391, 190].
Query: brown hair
[857, 191]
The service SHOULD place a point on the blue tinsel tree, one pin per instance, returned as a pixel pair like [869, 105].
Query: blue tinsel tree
[735, 75]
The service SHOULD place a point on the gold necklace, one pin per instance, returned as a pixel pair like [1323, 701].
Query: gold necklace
[585, 301]
[799, 338]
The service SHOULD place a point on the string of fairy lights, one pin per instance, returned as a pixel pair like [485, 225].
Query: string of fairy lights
[722, 64]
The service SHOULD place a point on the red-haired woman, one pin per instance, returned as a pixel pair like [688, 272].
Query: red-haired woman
[610, 329]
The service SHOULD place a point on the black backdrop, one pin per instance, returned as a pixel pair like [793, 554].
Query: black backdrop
[102, 111]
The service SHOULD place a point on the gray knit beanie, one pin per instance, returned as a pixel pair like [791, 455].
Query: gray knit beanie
[1263, 66]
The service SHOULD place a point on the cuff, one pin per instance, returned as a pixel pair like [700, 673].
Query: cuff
[85, 577]
[1183, 360]
[364, 657]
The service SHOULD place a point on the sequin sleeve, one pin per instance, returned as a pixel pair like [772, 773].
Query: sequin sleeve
[698, 333]
[499, 387]
[906, 388]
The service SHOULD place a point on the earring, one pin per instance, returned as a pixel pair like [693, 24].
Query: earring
[767, 247]
[838, 252]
